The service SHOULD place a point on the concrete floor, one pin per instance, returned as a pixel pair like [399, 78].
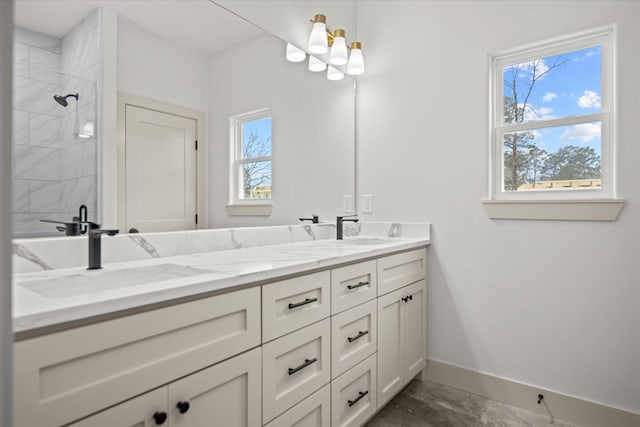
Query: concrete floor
[427, 404]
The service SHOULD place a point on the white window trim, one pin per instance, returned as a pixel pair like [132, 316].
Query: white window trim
[238, 206]
[587, 204]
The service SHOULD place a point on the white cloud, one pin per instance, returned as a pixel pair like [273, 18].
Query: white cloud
[589, 100]
[549, 96]
[582, 133]
[540, 68]
[531, 113]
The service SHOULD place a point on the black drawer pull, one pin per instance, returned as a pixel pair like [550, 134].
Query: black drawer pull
[361, 394]
[300, 304]
[306, 363]
[359, 285]
[360, 335]
[407, 298]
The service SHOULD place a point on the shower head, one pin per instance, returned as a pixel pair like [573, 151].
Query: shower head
[62, 100]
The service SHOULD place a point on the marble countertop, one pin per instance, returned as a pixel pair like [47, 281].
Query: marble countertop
[37, 305]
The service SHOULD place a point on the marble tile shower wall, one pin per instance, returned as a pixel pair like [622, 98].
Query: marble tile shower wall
[54, 171]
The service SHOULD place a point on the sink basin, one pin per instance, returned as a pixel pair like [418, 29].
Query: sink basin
[104, 280]
[367, 240]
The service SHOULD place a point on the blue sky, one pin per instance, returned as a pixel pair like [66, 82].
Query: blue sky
[262, 127]
[570, 89]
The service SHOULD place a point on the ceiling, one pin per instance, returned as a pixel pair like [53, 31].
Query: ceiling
[200, 25]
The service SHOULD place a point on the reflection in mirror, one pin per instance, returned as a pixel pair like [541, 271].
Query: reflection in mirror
[174, 55]
[54, 113]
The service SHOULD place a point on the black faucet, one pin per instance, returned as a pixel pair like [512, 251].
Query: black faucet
[340, 220]
[95, 246]
[314, 219]
[78, 226]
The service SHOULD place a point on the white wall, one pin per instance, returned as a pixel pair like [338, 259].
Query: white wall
[6, 106]
[156, 68]
[551, 304]
[312, 132]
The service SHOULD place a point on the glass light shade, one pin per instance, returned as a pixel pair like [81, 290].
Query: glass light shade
[355, 67]
[316, 65]
[318, 42]
[295, 54]
[87, 131]
[338, 55]
[334, 74]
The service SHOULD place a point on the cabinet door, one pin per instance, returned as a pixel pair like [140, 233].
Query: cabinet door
[391, 343]
[415, 323]
[138, 412]
[227, 394]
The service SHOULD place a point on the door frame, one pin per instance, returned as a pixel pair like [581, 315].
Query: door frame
[125, 99]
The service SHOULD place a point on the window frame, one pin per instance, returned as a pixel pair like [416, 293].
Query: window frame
[603, 37]
[238, 205]
[568, 204]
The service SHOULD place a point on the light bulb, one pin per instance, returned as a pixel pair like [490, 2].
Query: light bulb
[318, 42]
[295, 54]
[356, 61]
[334, 74]
[338, 55]
[316, 65]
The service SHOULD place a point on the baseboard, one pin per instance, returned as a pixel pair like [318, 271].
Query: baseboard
[558, 406]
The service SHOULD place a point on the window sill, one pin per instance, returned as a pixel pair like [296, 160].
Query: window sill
[249, 209]
[564, 210]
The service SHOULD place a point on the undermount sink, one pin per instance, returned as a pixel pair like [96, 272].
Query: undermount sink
[367, 240]
[104, 280]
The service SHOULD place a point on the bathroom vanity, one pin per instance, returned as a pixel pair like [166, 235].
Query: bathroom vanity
[320, 331]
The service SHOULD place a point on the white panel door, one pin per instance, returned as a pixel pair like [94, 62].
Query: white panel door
[160, 171]
[227, 394]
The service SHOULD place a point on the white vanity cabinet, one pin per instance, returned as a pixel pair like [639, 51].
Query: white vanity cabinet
[227, 394]
[327, 348]
[64, 376]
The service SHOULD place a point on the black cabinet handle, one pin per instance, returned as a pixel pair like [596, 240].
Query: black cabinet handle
[358, 285]
[306, 363]
[160, 417]
[183, 407]
[361, 394]
[407, 298]
[410, 297]
[300, 304]
[360, 335]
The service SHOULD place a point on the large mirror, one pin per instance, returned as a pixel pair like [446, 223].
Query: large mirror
[193, 54]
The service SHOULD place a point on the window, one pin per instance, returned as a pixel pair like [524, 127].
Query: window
[552, 121]
[251, 158]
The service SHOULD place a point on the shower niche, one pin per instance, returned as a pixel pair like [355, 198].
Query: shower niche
[55, 147]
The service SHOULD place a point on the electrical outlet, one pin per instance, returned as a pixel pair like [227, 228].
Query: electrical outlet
[367, 203]
[347, 203]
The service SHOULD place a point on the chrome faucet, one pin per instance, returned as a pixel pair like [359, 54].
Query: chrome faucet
[95, 246]
[339, 222]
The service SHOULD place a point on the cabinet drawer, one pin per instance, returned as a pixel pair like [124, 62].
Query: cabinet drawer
[294, 366]
[64, 376]
[295, 303]
[353, 395]
[396, 271]
[353, 285]
[314, 411]
[353, 337]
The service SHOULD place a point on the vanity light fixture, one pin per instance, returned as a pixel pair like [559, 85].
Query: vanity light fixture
[295, 54]
[334, 74]
[318, 40]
